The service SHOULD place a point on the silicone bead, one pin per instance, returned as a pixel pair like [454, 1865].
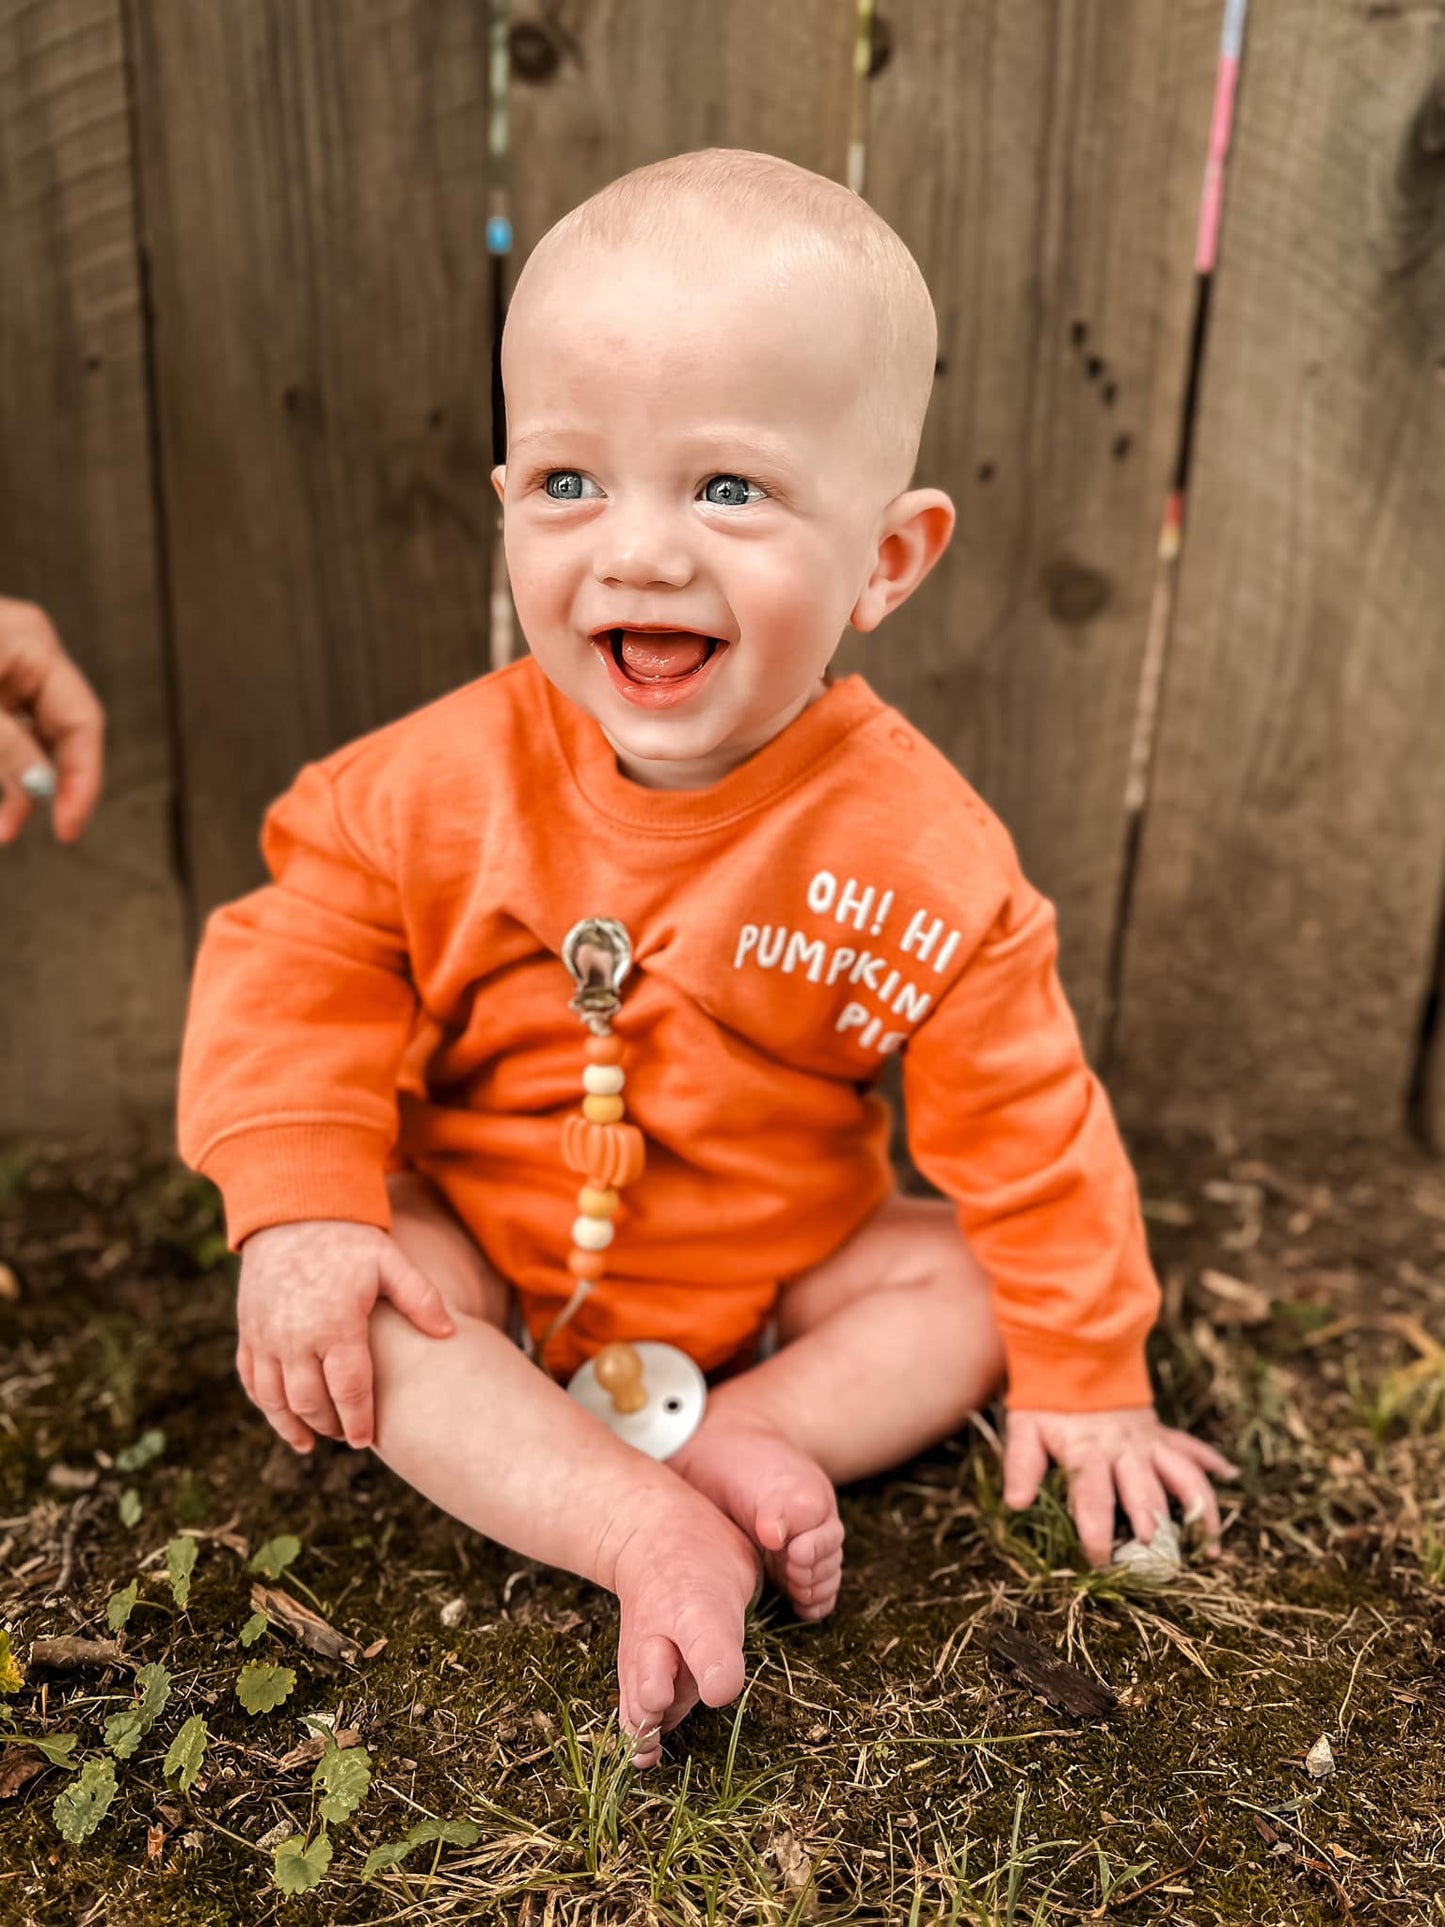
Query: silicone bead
[586, 1264]
[593, 1234]
[603, 1080]
[603, 1110]
[593, 1203]
[604, 1050]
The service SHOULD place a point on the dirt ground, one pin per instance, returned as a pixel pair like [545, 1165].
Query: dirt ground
[906, 1761]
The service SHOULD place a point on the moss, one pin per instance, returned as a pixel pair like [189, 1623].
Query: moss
[880, 1759]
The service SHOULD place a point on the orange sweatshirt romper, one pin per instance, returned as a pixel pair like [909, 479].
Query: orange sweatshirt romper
[396, 997]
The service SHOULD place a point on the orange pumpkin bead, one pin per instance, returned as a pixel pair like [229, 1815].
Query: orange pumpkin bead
[604, 1110]
[604, 1050]
[586, 1264]
[610, 1155]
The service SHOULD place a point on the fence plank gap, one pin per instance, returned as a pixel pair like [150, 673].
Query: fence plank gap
[1287, 898]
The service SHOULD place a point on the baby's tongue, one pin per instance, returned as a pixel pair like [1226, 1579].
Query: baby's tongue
[663, 656]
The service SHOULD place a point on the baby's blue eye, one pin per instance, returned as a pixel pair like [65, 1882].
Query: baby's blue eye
[570, 485]
[737, 487]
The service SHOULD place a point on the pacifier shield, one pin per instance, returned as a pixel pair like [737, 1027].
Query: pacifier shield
[676, 1397]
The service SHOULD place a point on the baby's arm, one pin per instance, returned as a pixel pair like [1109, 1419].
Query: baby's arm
[305, 1301]
[1128, 1453]
[1007, 1119]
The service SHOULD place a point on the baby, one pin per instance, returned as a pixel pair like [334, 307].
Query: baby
[716, 375]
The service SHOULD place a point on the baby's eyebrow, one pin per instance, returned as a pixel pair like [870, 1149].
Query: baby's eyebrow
[734, 441]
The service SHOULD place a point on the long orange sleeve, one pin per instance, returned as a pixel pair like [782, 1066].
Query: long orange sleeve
[396, 995]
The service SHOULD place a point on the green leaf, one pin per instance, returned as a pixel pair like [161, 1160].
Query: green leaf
[259, 1688]
[276, 1555]
[345, 1775]
[455, 1833]
[120, 1606]
[130, 1507]
[299, 1868]
[257, 1624]
[12, 1674]
[80, 1807]
[187, 1750]
[180, 1564]
[125, 1731]
[57, 1749]
[148, 1446]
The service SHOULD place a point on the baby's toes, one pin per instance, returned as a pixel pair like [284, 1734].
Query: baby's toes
[795, 1506]
[816, 1546]
[814, 1589]
[647, 1675]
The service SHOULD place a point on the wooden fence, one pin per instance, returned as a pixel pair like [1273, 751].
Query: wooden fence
[247, 317]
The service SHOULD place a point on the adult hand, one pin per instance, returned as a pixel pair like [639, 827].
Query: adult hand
[1127, 1452]
[305, 1299]
[52, 727]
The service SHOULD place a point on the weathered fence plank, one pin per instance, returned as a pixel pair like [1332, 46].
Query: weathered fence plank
[1044, 162]
[92, 965]
[1288, 895]
[619, 83]
[314, 196]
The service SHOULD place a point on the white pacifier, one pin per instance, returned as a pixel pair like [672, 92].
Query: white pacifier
[651, 1395]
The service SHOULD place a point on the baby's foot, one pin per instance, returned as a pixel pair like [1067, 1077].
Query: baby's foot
[684, 1579]
[780, 1497]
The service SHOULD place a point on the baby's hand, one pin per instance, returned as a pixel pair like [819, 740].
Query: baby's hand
[1103, 1452]
[306, 1295]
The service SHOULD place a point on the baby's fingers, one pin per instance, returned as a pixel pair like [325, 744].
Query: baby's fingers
[1142, 1496]
[308, 1397]
[413, 1295]
[1091, 1500]
[1191, 1487]
[1025, 1461]
[268, 1391]
[348, 1379]
[1202, 1454]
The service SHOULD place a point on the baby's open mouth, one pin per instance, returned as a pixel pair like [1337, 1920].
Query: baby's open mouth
[653, 656]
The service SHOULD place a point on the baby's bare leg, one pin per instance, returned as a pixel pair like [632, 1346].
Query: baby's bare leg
[885, 1349]
[491, 1439]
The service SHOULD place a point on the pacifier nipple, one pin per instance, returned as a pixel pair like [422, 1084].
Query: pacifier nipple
[618, 1370]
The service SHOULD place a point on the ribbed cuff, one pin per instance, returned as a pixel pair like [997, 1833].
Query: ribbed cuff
[284, 1173]
[1094, 1378]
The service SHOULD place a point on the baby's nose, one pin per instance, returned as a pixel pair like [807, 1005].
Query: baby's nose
[641, 547]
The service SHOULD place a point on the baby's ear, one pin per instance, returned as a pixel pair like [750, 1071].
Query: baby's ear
[499, 481]
[917, 526]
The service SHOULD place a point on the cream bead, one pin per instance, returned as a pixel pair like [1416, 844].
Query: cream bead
[593, 1234]
[603, 1080]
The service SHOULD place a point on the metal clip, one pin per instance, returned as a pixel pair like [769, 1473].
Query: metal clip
[598, 956]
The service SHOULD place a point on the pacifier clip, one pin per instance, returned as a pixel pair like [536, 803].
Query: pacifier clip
[650, 1394]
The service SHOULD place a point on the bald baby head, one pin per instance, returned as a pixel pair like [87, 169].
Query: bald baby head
[723, 215]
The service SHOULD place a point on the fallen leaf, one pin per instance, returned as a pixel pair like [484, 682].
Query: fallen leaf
[309, 1629]
[19, 1765]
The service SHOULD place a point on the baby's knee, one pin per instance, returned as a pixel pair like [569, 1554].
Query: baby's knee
[931, 1252]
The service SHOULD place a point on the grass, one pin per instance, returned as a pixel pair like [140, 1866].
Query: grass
[881, 1767]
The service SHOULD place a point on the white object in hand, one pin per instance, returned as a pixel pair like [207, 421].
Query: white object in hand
[1158, 1558]
[676, 1397]
[38, 782]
